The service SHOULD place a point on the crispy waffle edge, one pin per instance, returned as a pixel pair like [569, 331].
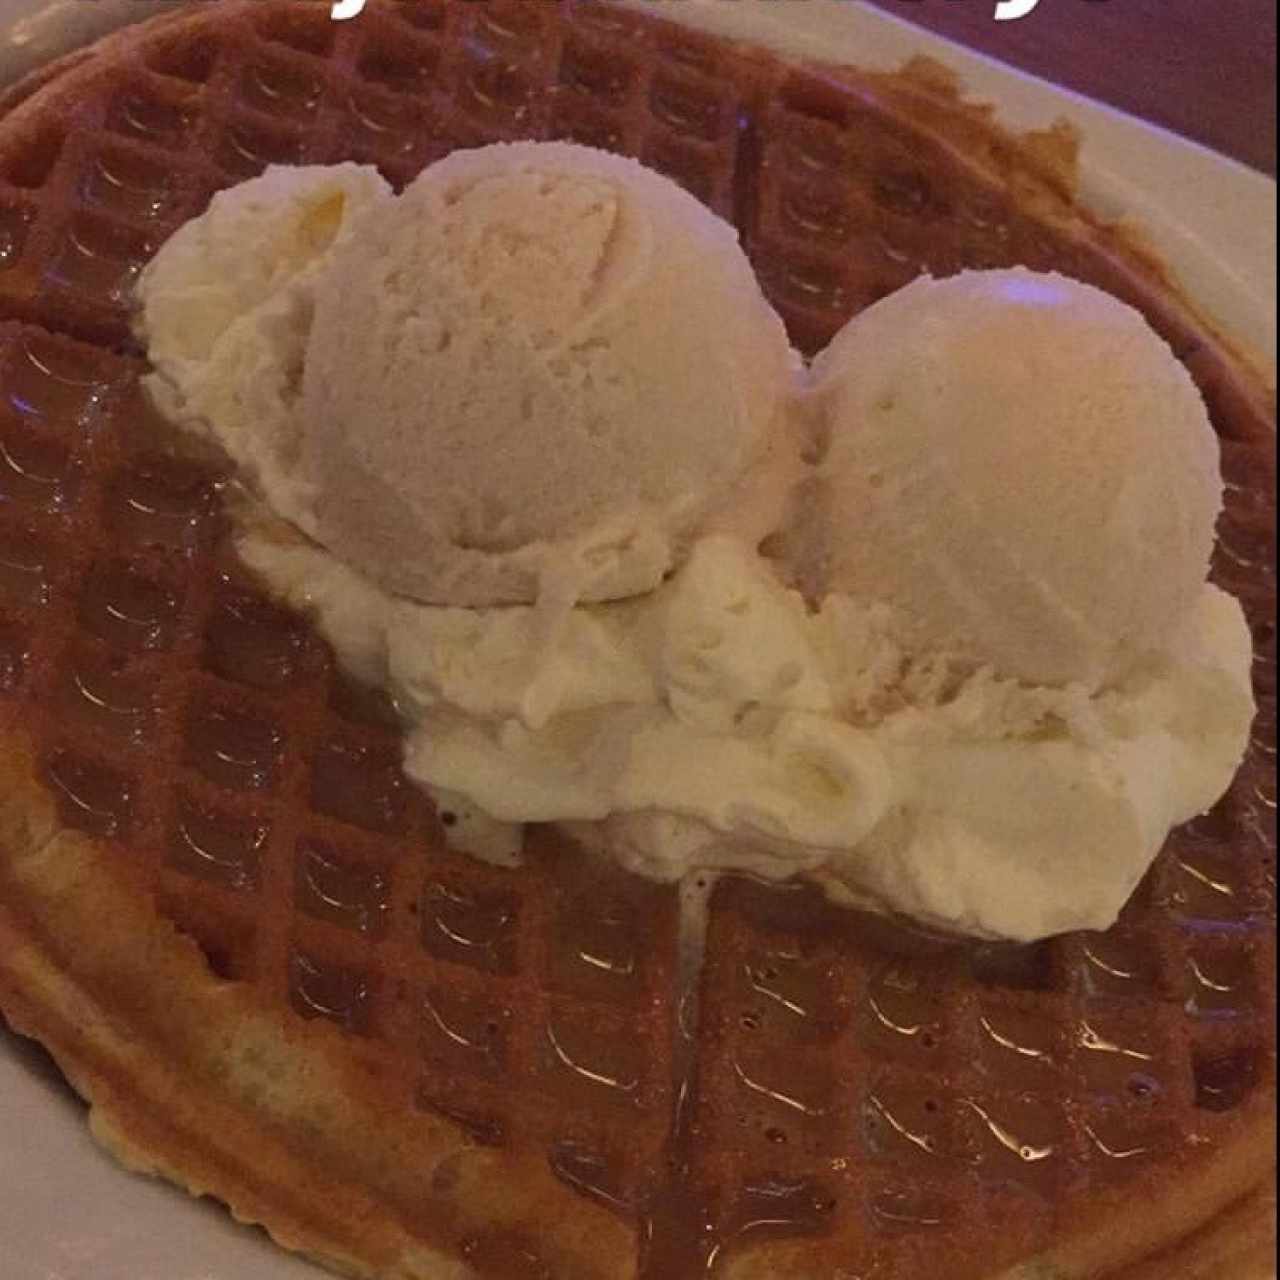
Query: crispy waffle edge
[198, 1080]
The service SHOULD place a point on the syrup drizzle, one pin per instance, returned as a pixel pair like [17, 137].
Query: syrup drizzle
[776, 1094]
[319, 991]
[686, 1228]
[471, 928]
[358, 896]
[677, 1230]
[773, 1208]
[589, 1172]
[215, 848]
[619, 1080]
[1121, 1151]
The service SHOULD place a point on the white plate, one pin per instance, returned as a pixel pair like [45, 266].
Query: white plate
[67, 1212]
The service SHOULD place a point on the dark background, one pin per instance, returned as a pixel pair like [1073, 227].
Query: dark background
[1204, 68]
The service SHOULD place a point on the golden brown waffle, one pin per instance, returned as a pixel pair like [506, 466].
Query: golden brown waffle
[239, 929]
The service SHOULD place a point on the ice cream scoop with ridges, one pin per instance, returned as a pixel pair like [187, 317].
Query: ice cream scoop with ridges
[569, 364]
[1018, 463]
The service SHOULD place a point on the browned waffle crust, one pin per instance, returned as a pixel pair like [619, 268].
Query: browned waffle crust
[239, 929]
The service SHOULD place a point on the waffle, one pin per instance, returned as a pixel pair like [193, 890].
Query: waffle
[241, 932]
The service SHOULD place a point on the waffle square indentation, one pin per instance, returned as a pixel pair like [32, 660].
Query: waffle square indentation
[163, 120]
[107, 696]
[404, 65]
[92, 796]
[233, 749]
[360, 784]
[131, 183]
[100, 260]
[464, 1032]
[472, 927]
[320, 988]
[127, 609]
[338, 886]
[38, 469]
[281, 87]
[254, 642]
[247, 148]
[223, 848]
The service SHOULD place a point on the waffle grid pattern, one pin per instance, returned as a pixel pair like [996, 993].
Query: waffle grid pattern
[871, 1088]
[206, 734]
[838, 201]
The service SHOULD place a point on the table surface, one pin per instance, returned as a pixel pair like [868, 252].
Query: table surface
[1204, 68]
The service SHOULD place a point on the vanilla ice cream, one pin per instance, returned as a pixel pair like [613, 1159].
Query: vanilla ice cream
[720, 722]
[536, 371]
[1018, 462]
[225, 309]
[544, 374]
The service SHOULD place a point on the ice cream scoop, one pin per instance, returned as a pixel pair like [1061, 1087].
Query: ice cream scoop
[1019, 464]
[541, 367]
[534, 373]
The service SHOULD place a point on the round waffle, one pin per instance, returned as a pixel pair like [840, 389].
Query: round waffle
[241, 932]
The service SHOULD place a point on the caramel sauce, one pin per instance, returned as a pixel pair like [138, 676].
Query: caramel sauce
[217, 847]
[1224, 1080]
[233, 750]
[773, 1208]
[15, 656]
[506, 1255]
[1219, 985]
[1019, 1139]
[381, 126]
[475, 929]
[98, 693]
[318, 990]
[253, 642]
[464, 1034]
[35, 472]
[1115, 1057]
[1019, 1049]
[591, 1173]
[1117, 964]
[341, 890]
[360, 785]
[247, 149]
[902, 1020]
[278, 88]
[91, 797]
[128, 611]
[148, 117]
[159, 501]
[55, 382]
[483, 1129]
[578, 1055]
[123, 182]
[99, 260]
